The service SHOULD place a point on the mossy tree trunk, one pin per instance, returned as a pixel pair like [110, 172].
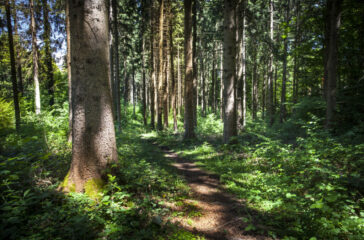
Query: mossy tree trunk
[93, 133]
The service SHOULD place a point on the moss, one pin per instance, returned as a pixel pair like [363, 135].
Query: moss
[93, 187]
[66, 186]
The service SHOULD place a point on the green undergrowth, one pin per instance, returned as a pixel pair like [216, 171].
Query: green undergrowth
[298, 180]
[35, 161]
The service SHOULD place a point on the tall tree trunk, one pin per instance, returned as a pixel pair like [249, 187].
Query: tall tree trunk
[270, 65]
[166, 61]
[33, 29]
[189, 86]
[194, 56]
[48, 52]
[12, 65]
[230, 128]
[126, 84]
[255, 86]
[283, 111]
[202, 74]
[174, 85]
[111, 57]
[18, 49]
[133, 84]
[179, 82]
[243, 104]
[213, 83]
[93, 137]
[116, 66]
[69, 72]
[295, 61]
[160, 66]
[152, 68]
[222, 107]
[333, 24]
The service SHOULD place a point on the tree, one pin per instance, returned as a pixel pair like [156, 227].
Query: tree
[270, 66]
[93, 134]
[230, 128]
[68, 36]
[283, 110]
[332, 26]
[189, 86]
[160, 66]
[12, 65]
[117, 69]
[48, 52]
[33, 30]
[151, 65]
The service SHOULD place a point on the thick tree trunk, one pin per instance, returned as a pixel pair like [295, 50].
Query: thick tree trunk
[33, 30]
[230, 128]
[333, 23]
[12, 65]
[93, 134]
[189, 86]
[48, 52]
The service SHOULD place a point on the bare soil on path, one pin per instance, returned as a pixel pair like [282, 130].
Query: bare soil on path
[222, 216]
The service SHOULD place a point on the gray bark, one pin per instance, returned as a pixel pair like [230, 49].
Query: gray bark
[230, 128]
[93, 133]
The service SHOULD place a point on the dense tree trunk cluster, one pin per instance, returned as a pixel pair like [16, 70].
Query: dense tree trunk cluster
[236, 60]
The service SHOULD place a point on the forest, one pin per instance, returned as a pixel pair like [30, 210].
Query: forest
[182, 119]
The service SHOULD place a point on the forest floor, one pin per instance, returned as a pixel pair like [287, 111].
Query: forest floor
[216, 214]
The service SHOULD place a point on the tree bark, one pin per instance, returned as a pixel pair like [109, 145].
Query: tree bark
[12, 65]
[69, 72]
[230, 128]
[255, 86]
[333, 23]
[270, 66]
[93, 133]
[194, 59]
[160, 67]
[18, 50]
[174, 85]
[33, 30]
[152, 68]
[283, 111]
[116, 66]
[48, 52]
[189, 86]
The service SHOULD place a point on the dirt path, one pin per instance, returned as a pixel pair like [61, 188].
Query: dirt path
[222, 215]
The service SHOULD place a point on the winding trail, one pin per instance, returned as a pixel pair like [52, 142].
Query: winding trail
[222, 215]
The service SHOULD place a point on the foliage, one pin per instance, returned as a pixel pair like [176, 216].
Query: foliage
[298, 180]
[32, 165]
